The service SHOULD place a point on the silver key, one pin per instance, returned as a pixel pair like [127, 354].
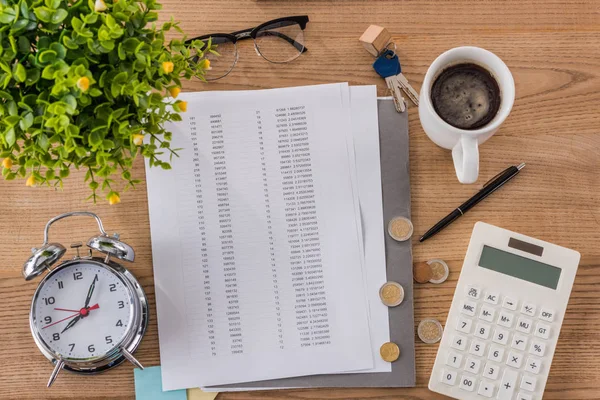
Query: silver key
[411, 93]
[396, 90]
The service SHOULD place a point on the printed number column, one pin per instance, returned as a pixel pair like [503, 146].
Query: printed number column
[226, 235]
[272, 263]
[210, 327]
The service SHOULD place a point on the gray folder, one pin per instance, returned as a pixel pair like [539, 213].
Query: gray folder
[393, 139]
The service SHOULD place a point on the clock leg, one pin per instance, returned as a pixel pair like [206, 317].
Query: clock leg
[59, 365]
[131, 358]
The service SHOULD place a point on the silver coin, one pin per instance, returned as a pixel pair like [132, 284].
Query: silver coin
[440, 271]
[400, 228]
[430, 331]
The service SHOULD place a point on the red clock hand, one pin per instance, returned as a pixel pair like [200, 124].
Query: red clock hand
[64, 319]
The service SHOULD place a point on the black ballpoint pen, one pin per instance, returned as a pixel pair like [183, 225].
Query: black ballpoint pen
[495, 183]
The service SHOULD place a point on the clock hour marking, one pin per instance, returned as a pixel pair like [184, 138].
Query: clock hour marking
[119, 323]
[60, 285]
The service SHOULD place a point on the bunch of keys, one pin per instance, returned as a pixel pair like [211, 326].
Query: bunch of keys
[388, 67]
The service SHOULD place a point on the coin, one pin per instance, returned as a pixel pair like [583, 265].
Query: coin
[439, 271]
[391, 294]
[430, 330]
[400, 228]
[389, 351]
[422, 272]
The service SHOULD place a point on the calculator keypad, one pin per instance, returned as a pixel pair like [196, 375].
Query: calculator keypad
[498, 345]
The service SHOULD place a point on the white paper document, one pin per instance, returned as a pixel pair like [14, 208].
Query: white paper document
[255, 238]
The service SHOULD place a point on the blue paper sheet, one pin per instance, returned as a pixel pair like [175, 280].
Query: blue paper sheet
[148, 386]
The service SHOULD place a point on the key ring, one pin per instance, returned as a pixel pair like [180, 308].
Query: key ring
[387, 47]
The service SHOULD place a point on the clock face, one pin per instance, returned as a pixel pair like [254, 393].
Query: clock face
[82, 310]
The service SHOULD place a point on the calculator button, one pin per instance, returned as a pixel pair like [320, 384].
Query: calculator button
[482, 330]
[496, 353]
[486, 313]
[524, 396]
[500, 336]
[464, 325]
[528, 383]
[468, 308]
[509, 303]
[519, 342]
[477, 348]
[507, 384]
[472, 365]
[537, 348]
[524, 325]
[514, 359]
[528, 309]
[473, 292]
[547, 315]
[505, 319]
[542, 330]
[491, 298]
[467, 383]
[459, 342]
[486, 389]
[454, 360]
[449, 377]
[533, 365]
[491, 371]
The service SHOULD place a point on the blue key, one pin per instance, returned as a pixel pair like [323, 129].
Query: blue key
[388, 67]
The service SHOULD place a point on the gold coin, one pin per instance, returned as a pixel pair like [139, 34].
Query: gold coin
[391, 294]
[430, 331]
[439, 271]
[400, 229]
[422, 272]
[389, 351]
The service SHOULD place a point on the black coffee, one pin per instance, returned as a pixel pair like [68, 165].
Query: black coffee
[466, 96]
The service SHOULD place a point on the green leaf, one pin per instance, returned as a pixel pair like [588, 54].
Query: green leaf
[26, 122]
[44, 14]
[59, 49]
[77, 24]
[9, 136]
[23, 44]
[70, 43]
[52, 3]
[8, 15]
[95, 139]
[48, 72]
[19, 72]
[43, 142]
[19, 26]
[47, 56]
[59, 16]
[33, 75]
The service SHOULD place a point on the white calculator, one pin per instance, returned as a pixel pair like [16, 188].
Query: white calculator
[505, 317]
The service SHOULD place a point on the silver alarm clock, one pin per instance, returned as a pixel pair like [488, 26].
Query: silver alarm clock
[89, 313]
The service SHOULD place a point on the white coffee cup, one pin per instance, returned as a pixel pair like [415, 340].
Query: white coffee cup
[465, 143]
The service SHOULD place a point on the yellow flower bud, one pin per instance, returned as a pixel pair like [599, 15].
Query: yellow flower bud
[205, 64]
[30, 181]
[114, 199]
[7, 163]
[174, 91]
[138, 139]
[182, 105]
[100, 5]
[83, 83]
[167, 67]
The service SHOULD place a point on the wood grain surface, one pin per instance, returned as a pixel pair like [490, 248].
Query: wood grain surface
[553, 50]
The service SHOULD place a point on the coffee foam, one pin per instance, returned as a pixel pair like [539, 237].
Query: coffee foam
[466, 96]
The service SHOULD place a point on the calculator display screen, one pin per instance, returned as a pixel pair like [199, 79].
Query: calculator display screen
[519, 267]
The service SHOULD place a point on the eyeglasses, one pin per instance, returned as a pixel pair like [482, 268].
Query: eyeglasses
[278, 41]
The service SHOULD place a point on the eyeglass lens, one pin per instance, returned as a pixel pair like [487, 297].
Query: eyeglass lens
[280, 42]
[223, 63]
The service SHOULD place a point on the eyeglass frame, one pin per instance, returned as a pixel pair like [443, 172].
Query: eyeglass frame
[251, 33]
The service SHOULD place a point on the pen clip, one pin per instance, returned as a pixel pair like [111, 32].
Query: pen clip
[491, 180]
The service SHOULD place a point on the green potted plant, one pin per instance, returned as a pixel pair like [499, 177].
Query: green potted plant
[89, 85]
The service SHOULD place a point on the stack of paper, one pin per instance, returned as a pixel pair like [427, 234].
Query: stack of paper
[264, 265]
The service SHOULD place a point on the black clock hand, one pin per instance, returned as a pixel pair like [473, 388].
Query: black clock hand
[90, 292]
[70, 324]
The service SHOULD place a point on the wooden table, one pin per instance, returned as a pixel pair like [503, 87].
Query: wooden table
[553, 50]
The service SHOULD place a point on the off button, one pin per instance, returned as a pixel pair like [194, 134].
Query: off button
[547, 315]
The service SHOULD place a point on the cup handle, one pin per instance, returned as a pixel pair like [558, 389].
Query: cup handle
[466, 159]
